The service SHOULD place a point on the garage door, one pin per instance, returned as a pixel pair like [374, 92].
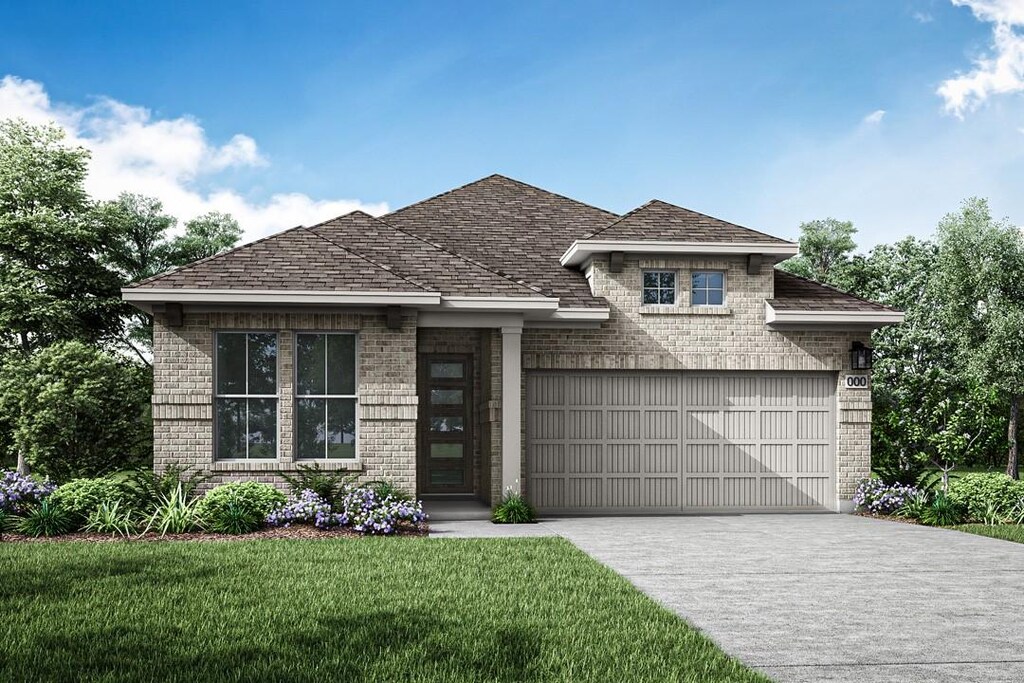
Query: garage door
[619, 441]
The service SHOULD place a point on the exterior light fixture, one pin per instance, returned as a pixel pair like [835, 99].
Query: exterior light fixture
[860, 357]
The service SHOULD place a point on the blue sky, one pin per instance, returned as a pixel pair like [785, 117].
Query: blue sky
[766, 114]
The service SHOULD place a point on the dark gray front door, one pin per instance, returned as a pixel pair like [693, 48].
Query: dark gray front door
[445, 423]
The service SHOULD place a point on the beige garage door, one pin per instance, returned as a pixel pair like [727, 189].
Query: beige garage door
[619, 441]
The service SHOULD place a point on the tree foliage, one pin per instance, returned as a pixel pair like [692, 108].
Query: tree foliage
[77, 411]
[53, 285]
[825, 251]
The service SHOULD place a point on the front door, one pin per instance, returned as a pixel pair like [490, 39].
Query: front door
[445, 423]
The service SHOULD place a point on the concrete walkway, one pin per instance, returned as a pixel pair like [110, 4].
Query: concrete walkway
[821, 597]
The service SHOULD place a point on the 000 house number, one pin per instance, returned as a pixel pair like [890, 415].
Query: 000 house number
[856, 381]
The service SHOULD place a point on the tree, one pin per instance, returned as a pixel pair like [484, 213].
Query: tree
[204, 236]
[980, 271]
[76, 410]
[52, 283]
[825, 248]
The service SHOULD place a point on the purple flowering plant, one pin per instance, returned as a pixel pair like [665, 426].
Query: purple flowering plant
[359, 508]
[19, 493]
[879, 498]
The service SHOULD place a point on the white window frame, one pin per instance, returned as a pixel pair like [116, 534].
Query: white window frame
[247, 396]
[297, 396]
[725, 288]
[660, 289]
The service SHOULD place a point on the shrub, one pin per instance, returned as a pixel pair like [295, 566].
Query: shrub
[328, 485]
[914, 507]
[111, 518]
[46, 519]
[367, 513]
[18, 493]
[80, 497]
[148, 487]
[879, 498]
[306, 507]
[77, 411]
[175, 514]
[385, 489]
[513, 509]
[230, 505]
[8, 522]
[976, 492]
[942, 512]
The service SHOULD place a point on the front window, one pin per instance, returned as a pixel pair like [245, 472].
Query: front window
[325, 396]
[246, 395]
[659, 287]
[707, 289]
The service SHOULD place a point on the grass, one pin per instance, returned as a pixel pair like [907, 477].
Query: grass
[1007, 532]
[347, 610]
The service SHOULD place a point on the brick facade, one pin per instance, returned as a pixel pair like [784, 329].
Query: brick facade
[635, 337]
[386, 410]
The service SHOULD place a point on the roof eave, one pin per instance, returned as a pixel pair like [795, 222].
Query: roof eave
[829, 318]
[149, 295]
[582, 250]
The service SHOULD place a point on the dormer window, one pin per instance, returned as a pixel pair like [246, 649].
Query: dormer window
[707, 288]
[659, 287]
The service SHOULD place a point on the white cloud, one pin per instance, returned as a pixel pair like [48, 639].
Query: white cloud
[923, 17]
[133, 151]
[999, 73]
[875, 117]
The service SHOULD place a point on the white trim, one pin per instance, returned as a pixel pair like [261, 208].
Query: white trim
[467, 319]
[581, 314]
[511, 407]
[278, 296]
[875, 318]
[500, 303]
[581, 250]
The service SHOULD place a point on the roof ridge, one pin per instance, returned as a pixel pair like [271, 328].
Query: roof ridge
[388, 269]
[620, 219]
[471, 261]
[833, 288]
[503, 177]
[219, 254]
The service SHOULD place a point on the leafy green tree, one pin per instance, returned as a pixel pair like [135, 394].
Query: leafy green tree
[137, 228]
[825, 251]
[77, 411]
[980, 273]
[52, 283]
[204, 236]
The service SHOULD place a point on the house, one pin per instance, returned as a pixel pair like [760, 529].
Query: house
[501, 336]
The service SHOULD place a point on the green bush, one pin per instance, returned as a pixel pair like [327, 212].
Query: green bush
[80, 497]
[942, 512]
[229, 505]
[175, 514]
[981, 492]
[111, 518]
[513, 509]
[384, 489]
[149, 488]
[327, 484]
[46, 519]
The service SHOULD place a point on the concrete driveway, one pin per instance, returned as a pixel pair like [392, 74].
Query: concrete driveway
[823, 597]
[828, 597]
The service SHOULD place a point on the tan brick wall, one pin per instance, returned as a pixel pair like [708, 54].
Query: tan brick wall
[386, 412]
[733, 338]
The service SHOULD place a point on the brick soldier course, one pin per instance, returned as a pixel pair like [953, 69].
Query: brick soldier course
[520, 281]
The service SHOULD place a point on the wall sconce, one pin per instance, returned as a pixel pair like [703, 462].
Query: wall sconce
[860, 357]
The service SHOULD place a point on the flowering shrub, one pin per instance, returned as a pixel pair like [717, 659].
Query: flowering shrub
[305, 507]
[362, 509]
[879, 498]
[19, 493]
[369, 513]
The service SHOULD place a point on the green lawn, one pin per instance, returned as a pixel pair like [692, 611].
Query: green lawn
[409, 609]
[1007, 532]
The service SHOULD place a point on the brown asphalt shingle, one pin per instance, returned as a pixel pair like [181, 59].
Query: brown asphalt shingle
[658, 220]
[493, 237]
[794, 293]
[512, 227]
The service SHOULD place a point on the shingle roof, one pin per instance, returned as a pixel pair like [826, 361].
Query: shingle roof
[794, 293]
[512, 227]
[658, 220]
[355, 252]
[493, 237]
[296, 259]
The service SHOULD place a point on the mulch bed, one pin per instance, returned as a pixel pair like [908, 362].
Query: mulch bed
[299, 531]
[889, 518]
